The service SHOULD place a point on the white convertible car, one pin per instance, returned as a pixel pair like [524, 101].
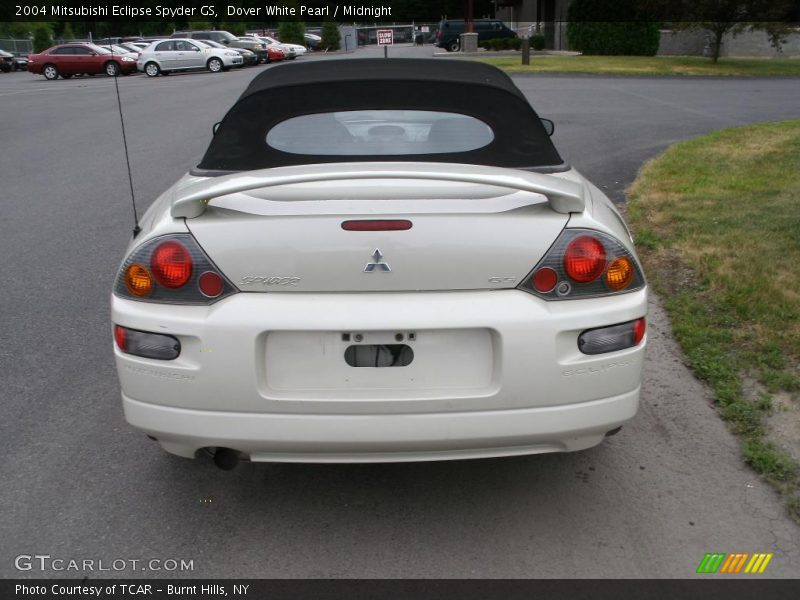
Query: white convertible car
[380, 260]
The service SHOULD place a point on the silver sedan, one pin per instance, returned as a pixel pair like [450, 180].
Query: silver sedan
[166, 56]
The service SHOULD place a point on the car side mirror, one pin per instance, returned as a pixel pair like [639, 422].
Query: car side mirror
[216, 127]
[227, 42]
[549, 126]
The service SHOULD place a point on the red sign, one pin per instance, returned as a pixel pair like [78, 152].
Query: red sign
[385, 37]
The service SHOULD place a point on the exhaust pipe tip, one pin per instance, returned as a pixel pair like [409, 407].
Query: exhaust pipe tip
[614, 431]
[226, 459]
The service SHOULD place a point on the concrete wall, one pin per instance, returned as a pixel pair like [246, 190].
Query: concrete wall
[751, 43]
[682, 43]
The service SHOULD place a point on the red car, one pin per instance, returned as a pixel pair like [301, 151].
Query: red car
[67, 60]
[274, 54]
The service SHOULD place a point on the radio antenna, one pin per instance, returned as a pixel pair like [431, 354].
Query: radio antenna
[136, 228]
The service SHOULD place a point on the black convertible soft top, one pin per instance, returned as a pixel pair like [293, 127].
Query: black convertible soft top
[325, 86]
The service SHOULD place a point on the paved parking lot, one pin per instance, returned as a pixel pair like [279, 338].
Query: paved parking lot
[78, 483]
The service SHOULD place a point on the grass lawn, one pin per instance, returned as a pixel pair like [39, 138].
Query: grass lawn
[717, 224]
[648, 65]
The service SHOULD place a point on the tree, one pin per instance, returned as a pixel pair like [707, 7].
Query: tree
[611, 27]
[722, 17]
[330, 36]
[67, 34]
[292, 32]
[42, 37]
[234, 27]
[200, 25]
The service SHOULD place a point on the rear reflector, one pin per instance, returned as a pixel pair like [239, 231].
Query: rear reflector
[147, 345]
[211, 284]
[610, 339]
[377, 225]
[545, 279]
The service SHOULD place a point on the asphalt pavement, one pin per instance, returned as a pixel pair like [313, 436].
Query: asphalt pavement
[78, 483]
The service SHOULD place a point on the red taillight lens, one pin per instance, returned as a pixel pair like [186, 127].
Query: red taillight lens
[585, 259]
[211, 284]
[171, 264]
[545, 279]
[639, 327]
[119, 337]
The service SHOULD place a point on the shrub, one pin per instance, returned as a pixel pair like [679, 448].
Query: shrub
[610, 27]
[537, 42]
[330, 36]
[291, 32]
[42, 37]
[514, 43]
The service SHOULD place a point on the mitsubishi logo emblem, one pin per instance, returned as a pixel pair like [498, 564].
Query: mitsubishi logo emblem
[376, 263]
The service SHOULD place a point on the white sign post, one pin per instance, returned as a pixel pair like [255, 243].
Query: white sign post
[385, 39]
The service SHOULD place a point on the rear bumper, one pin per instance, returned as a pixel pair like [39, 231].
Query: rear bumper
[495, 373]
[384, 438]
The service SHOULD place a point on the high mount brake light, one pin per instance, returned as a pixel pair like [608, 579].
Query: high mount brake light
[584, 263]
[171, 269]
[377, 225]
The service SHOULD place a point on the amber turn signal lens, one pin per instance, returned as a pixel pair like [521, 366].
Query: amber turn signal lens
[619, 274]
[138, 280]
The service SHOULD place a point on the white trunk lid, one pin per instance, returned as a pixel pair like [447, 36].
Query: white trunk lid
[464, 236]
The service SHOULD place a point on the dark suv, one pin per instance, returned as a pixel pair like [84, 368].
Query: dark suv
[449, 34]
[227, 38]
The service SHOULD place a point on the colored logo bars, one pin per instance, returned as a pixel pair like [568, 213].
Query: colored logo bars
[737, 562]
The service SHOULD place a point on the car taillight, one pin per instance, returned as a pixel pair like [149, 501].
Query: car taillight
[146, 344]
[585, 259]
[171, 264]
[584, 263]
[612, 338]
[171, 269]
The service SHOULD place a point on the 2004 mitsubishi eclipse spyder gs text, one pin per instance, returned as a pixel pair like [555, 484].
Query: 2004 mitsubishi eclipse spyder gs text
[380, 260]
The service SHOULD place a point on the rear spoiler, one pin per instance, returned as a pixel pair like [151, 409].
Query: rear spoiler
[564, 196]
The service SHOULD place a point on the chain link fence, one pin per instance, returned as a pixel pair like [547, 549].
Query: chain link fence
[17, 47]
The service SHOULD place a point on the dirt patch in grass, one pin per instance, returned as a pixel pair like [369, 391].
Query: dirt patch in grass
[717, 221]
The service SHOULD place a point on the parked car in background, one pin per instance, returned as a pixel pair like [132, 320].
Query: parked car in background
[6, 61]
[291, 51]
[12, 62]
[121, 50]
[448, 35]
[227, 38]
[356, 274]
[172, 55]
[66, 60]
[131, 47]
[275, 54]
[249, 58]
[313, 41]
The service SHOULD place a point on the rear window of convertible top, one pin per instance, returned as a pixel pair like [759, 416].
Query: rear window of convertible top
[379, 132]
